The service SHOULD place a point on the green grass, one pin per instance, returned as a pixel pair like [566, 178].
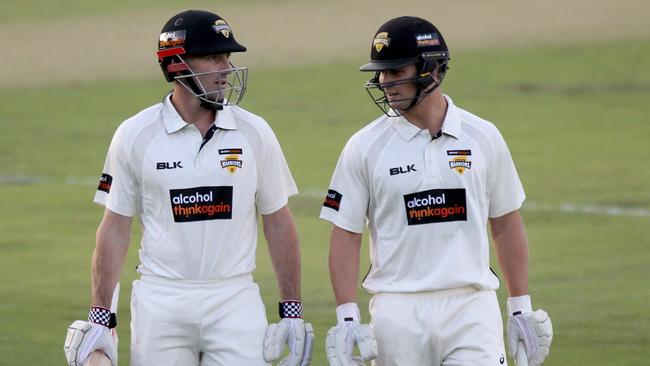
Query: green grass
[575, 119]
[35, 10]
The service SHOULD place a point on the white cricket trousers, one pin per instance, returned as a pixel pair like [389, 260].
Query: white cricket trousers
[186, 323]
[456, 327]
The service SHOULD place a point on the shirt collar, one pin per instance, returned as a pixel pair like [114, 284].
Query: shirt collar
[450, 125]
[405, 128]
[225, 119]
[170, 117]
[173, 122]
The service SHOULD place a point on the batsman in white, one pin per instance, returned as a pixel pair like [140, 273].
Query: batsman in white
[426, 178]
[196, 170]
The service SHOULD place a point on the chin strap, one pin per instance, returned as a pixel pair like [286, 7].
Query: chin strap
[421, 94]
[190, 84]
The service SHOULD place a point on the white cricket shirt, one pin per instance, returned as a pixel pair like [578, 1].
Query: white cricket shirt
[425, 201]
[197, 204]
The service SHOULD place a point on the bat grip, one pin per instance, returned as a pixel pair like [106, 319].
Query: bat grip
[522, 358]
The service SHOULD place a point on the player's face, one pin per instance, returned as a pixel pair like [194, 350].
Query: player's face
[214, 70]
[399, 95]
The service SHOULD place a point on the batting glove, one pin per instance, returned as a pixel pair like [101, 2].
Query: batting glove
[292, 331]
[85, 337]
[342, 338]
[532, 328]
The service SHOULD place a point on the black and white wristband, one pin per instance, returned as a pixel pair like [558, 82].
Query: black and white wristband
[102, 316]
[290, 309]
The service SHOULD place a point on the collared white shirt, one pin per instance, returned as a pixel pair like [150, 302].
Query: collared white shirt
[425, 201]
[197, 199]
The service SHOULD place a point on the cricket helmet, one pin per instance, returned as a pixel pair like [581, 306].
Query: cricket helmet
[404, 41]
[200, 33]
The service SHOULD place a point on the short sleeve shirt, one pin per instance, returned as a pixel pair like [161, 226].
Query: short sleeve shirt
[425, 199]
[197, 199]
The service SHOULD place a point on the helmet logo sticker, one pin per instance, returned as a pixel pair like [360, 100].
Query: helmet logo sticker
[172, 39]
[427, 39]
[178, 22]
[220, 26]
[381, 40]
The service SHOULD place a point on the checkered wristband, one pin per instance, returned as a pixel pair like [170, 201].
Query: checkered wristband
[102, 316]
[290, 309]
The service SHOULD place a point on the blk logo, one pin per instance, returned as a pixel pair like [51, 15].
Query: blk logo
[168, 165]
[403, 170]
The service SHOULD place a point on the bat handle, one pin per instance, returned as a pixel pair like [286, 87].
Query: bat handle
[522, 358]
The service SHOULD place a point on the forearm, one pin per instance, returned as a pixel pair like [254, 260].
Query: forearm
[284, 249]
[345, 247]
[112, 242]
[511, 247]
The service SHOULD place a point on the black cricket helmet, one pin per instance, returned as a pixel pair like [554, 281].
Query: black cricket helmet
[195, 33]
[404, 41]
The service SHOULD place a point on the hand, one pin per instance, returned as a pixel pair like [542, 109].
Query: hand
[341, 340]
[84, 338]
[532, 328]
[297, 335]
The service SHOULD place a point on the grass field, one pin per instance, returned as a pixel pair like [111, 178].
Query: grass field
[575, 117]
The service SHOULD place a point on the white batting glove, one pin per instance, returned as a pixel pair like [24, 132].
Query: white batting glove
[533, 328]
[85, 337]
[342, 338]
[292, 331]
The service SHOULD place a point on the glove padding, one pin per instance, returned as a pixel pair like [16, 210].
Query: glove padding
[341, 340]
[297, 335]
[535, 330]
[84, 338]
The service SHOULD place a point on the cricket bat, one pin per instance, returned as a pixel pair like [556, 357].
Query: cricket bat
[522, 358]
[99, 358]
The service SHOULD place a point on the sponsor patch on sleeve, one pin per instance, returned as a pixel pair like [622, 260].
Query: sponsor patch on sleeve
[333, 200]
[436, 205]
[105, 182]
[201, 203]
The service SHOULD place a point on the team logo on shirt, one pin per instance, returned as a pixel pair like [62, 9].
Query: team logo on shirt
[201, 203]
[231, 163]
[460, 160]
[333, 200]
[105, 182]
[436, 205]
[459, 164]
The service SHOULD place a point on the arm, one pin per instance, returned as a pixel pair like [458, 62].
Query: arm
[511, 247]
[113, 237]
[345, 247]
[282, 239]
[529, 332]
[84, 338]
